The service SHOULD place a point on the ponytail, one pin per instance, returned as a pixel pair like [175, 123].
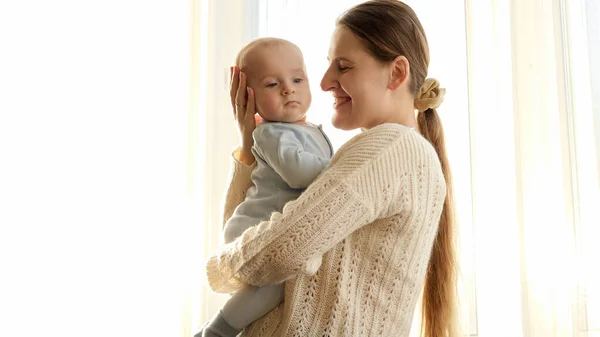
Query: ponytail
[439, 310]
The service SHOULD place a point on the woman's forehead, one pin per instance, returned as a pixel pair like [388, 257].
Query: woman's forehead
[344, 45]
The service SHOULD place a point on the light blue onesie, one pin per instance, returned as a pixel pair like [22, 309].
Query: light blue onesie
[289, 157]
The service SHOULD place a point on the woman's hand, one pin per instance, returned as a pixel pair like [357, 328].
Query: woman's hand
[244, 110]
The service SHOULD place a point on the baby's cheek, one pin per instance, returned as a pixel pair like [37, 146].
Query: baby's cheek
[266, 106]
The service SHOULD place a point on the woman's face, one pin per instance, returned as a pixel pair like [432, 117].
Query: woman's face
[358, 82]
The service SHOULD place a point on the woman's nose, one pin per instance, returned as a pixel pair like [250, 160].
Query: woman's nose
[328, 82]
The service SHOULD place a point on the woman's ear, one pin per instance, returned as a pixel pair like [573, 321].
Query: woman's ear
[399, 72]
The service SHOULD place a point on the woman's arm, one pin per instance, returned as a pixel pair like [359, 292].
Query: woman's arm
[358, 188]
[239, 184]
[292, 242]
[244, 112]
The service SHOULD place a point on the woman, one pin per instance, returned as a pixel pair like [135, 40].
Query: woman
[376, 228]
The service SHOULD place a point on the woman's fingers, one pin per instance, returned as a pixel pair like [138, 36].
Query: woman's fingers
[257, 119]
[247, 124]
[246, 121]
[240, 98]
[234, 80]
[250, 107]
[244, 111]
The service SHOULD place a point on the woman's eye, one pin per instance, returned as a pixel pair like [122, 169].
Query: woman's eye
[271, 85]
[297, 80]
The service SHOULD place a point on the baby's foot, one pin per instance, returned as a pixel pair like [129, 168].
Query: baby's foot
[218, 327]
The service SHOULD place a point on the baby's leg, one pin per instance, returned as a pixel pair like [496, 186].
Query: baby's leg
[243, 308]
[252, 303]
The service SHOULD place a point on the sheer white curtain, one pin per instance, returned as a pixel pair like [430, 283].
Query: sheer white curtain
[592, 9]
[222, 27]
[520, 131]
[535, 183]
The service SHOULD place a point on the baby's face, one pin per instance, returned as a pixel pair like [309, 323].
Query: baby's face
[277, 75]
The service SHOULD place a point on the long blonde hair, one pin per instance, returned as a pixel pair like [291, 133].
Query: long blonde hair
[388, 29]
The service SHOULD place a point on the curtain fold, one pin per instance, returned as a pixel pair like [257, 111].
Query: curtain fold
[222, 27]
[534, 166]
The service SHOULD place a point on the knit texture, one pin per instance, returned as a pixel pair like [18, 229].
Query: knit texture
[354, 247]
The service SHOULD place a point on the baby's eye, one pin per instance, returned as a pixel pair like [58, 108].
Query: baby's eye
[297, 80]
[271, 85]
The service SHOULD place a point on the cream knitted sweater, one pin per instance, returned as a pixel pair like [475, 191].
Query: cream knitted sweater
[354, 247]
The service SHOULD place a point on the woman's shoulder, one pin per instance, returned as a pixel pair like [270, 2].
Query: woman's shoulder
[388, 137]
[385, 148]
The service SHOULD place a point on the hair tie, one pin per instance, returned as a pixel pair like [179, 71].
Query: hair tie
[430, 95]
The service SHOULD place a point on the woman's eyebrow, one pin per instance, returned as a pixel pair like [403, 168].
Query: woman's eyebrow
[341, 58]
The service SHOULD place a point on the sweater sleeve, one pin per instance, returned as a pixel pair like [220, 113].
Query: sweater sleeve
[238, 186]
[358, 188]
[285, 153]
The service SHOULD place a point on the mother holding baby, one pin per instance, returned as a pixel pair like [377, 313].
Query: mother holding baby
[376, 228]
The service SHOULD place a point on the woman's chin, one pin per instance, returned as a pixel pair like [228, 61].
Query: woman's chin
[339, 122]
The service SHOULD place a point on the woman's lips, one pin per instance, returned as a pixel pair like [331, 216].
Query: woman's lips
[339, 101]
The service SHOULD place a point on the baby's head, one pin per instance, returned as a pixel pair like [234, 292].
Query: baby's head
[275, 69]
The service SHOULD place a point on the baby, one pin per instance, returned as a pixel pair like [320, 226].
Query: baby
[290, 153]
